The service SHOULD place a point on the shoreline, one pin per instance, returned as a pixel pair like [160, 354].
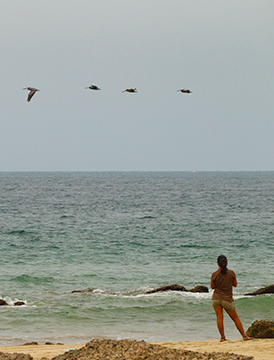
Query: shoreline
[260, 349]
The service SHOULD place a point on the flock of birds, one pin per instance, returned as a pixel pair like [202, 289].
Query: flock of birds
[32, 90]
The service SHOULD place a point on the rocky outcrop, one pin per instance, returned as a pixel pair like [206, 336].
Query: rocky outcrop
[139, 350]
[19, 303]
[46, 343]
[173, 287]
[82, 291]
[15, 356]
[199, 289]
[261, 329]
[265, 290]
[176, 287]
[3, 302]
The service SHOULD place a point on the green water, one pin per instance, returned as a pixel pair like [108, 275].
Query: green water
[123, 234]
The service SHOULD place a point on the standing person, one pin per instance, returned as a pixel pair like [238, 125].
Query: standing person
[222, 281]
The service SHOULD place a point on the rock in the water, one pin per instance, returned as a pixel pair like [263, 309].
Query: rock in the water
[199, 289]
[31, 343]
[3, 302]
[174, 287]
[82, 291]
[261, 329]
[15, 356]
[265, 290]
[19, 303]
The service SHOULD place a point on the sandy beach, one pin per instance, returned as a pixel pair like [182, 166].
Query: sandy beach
[260, 349]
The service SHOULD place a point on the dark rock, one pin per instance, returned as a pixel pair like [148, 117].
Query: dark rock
[174, 287]
[265, 290]
[15, 356]
[31, 343]
[199, 289]
[261, 329]
[3, 302]
[48, 343]
[82, 291]
[19, 303]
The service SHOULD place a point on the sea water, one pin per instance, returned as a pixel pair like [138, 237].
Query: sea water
[122, 234]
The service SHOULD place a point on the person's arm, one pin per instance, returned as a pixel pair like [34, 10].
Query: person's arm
[212, 284]
[235, 282]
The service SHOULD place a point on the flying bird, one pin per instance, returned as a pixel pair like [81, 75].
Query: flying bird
[92, 87]
[187, 91]
[131, 90]
[32, 91]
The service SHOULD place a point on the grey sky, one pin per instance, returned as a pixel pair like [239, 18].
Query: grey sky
[222, 50]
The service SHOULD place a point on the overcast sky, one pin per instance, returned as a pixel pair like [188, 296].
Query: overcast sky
[222, 50]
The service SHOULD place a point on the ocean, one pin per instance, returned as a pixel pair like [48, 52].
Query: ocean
[122, 234]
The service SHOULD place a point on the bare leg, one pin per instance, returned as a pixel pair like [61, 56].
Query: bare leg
[234, 316]
[220, 320]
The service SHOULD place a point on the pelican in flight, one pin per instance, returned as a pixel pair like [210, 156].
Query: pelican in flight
[92, 87]
[131, 90]
[32, 91]
[187, 91]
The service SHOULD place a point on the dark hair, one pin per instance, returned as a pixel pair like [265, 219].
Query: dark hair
[222, 262]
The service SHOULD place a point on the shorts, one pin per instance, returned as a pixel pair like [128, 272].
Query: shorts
[225, 304]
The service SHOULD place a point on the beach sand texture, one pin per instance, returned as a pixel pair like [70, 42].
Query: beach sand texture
[260, 349]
